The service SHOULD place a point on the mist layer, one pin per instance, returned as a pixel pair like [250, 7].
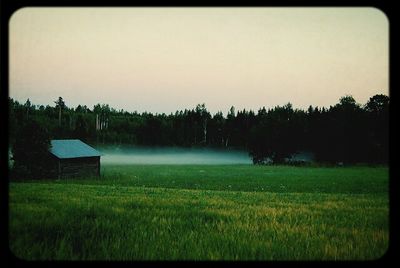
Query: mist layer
[171, 156]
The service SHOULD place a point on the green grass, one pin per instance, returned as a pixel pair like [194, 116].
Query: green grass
[237, 212]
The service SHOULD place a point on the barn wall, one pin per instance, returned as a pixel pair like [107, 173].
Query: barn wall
[77, 167]
[51, 167]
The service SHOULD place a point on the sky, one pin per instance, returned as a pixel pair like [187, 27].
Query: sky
[161, 60]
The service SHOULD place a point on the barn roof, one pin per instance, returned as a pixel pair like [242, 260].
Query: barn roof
[72, 149]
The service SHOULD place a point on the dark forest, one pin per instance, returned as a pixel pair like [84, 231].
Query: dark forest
[346, 133]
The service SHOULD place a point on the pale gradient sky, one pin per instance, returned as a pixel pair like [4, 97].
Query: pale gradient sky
[168, 59]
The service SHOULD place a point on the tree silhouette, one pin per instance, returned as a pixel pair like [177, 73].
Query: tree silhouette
[60, 104]
[378, 128]
[30, 151]
[28, 106]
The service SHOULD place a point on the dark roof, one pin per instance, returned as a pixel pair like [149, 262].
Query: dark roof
[72, 149]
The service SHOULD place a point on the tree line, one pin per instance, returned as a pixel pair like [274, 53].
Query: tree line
[347, 132]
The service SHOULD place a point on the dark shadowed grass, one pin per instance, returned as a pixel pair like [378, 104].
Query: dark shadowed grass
[203, 213]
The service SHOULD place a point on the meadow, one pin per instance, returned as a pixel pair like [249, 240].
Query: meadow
[203, 212]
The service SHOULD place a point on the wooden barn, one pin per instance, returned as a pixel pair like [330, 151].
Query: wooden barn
[73, 158]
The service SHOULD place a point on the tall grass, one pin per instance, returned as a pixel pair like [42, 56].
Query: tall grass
[203, 213]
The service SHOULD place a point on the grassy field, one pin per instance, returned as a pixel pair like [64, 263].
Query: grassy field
[172, 212]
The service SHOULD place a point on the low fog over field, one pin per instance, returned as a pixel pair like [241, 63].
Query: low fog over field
[168, 155]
